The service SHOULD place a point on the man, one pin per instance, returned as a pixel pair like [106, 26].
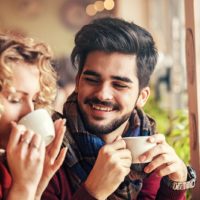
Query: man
[115, 60]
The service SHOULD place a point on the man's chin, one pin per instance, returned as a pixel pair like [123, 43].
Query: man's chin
[98, 124]
[99, 128]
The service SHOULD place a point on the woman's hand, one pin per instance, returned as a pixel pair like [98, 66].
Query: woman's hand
[53, 157]
[25, 155]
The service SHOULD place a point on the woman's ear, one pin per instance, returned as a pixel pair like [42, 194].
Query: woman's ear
[143, 97]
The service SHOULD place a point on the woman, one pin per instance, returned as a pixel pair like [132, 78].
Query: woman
[27, 82]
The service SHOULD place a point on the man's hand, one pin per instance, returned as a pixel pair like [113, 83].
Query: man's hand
[112, 165]
[165, 160]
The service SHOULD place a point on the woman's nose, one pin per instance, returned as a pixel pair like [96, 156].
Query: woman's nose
[27, 108]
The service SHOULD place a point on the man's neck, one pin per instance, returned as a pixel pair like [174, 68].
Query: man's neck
[111, 137]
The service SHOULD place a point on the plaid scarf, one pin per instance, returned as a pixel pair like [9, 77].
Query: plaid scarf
[83, 149]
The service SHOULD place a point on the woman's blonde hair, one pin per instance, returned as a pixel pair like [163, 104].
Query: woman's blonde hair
[14, 48]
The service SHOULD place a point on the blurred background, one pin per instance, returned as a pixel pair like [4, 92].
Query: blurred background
[56, 23]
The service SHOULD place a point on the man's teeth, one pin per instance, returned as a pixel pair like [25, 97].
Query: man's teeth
[101, 108]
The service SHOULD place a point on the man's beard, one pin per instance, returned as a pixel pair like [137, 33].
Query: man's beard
[102, 129]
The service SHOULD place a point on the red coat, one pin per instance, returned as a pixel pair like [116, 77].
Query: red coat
[5, 181]
[59, 189]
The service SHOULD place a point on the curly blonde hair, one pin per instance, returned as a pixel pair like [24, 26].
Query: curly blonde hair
[15, 48]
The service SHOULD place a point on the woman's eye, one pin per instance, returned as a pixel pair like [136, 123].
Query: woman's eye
[14, 100]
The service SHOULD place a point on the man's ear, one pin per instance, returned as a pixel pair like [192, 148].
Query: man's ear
[143, 97]
[77, 82]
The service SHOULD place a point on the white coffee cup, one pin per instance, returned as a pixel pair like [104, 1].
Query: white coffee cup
[41, 123]
[138, 146]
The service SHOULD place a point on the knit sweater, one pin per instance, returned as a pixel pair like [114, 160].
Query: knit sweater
[153, 188]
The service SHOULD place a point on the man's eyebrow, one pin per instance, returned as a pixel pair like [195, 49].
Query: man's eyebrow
[92, 73]
[122, 78]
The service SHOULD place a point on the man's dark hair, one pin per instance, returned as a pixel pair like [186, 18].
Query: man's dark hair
[116, 35]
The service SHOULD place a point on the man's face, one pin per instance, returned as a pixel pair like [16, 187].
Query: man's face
[108, 90]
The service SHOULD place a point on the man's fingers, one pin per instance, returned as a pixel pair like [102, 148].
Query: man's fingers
[167, 169]
[155, 151]
[118, 144]
[124, 154]
[157, 138]
[163, 159]
[126, 162]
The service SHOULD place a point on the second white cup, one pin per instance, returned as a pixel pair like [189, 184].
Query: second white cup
[138, 146]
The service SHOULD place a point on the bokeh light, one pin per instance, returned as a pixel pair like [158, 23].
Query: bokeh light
[109, 4]
[90, 10]
[99, 6]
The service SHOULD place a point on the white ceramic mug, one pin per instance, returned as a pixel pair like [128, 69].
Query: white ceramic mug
[138, 146]
[41, 123]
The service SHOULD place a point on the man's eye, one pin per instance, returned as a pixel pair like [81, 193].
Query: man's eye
[91, 80]
[120, 86]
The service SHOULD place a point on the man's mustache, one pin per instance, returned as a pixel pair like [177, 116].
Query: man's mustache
[95, 100]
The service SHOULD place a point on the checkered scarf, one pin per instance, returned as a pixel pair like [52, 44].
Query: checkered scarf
[84, 146]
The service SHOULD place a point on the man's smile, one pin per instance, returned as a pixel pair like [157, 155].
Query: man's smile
[101, 108]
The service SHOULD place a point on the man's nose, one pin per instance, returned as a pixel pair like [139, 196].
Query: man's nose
[104, 92]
